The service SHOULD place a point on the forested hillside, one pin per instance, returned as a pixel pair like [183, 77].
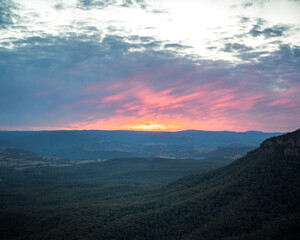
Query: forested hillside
[255, 197]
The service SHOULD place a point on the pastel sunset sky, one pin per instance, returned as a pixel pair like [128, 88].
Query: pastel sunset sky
[162, 65]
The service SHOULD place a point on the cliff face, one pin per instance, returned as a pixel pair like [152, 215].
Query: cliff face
[287, 144]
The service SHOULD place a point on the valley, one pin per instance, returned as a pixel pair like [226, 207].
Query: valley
[253, 197]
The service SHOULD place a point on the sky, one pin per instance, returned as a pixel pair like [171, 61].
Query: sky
[157, 65]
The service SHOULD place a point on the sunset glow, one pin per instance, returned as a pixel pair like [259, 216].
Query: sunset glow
[151, 126]
[150, 65]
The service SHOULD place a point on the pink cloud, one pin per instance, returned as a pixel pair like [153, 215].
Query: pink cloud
[199, 99]
[205, 106]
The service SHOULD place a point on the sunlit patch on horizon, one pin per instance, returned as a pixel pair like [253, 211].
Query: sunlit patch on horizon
[142, 125]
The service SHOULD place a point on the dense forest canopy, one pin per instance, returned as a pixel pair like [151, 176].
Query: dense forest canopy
[254, 197]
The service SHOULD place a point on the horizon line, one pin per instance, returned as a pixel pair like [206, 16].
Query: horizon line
[131, 130]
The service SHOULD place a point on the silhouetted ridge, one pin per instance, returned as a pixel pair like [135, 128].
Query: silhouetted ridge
[255, 197]
[287, 144]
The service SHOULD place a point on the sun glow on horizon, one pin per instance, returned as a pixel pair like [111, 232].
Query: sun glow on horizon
[152, 126]
[150, 65]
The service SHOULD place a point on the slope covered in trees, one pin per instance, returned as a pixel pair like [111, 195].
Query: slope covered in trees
[255, 197]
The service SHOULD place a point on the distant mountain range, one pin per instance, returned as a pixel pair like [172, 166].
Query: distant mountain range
[99, 144]
[255, 197]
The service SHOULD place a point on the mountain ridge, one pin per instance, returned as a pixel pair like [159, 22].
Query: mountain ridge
[288, 144]
[182, 144]
[254, 197]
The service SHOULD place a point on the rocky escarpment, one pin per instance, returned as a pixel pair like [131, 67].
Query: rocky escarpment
[287, 144]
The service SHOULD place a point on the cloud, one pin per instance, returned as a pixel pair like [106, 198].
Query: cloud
[102, 4]
[90, 4]
[85, 73]
[259, 3]
[7, 14]
[75, 82]
[269, 32]
[176, 46]
[232, 47]
[132, 3]
[59, 6]
[247, 4]
[244, 19]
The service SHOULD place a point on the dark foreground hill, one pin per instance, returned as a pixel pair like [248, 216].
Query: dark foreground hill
[255, 197]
